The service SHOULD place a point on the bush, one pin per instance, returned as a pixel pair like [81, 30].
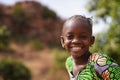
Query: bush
[19, 21]
[19, 15]
[37, 45]
[47, 13]
[14, 70]
[60, 57]
[4, 38]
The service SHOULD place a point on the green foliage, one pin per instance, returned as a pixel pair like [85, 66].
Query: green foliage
[99, 42]
[37, 45]
[47, 13]
[4, 38]
[60, 57]
[105, 9]
[114, 38]
[20, 27]
[14, 70]
[19, 15]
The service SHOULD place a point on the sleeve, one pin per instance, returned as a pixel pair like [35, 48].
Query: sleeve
[68, 64]
[69, 67]
[107, 68]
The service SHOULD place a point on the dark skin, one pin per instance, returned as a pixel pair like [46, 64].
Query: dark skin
[76, 39]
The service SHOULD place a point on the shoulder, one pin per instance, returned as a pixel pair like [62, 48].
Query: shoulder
[101, 59]
[105, 66]
[69, 63]
[101, 62]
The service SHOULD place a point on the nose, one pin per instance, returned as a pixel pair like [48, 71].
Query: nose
[76, 40]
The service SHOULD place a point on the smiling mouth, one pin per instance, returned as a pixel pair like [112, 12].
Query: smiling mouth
[75, 49]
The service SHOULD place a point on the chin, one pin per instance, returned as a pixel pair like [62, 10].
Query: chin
[76, 54]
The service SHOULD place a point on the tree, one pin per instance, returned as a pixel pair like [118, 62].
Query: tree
[47, 13]
[11, 69]
[20, 26]
[105, 9]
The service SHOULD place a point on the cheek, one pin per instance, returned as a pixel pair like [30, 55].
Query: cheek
[67, 44]
[87, 43]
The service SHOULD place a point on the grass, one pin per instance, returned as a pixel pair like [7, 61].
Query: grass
[60, 57]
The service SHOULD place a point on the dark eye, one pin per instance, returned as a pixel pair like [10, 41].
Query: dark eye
[83, 37]
[70, 37]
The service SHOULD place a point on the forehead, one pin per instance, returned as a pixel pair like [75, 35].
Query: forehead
[76, 26]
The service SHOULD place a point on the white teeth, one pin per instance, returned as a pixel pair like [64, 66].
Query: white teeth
[76, 48]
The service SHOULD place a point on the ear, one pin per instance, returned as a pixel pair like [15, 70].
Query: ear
[92, 40]
[62, 41]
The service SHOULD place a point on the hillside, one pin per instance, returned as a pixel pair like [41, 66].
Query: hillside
[41, 63]
[31, 20]
[36, 25]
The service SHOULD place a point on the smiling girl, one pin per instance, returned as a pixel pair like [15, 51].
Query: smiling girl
[76, 38]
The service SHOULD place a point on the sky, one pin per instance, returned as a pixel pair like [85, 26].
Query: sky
[66, 9]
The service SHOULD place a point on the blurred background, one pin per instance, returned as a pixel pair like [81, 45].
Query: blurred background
[30, 32]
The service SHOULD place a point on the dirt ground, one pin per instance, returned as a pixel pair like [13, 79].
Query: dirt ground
[40, 63]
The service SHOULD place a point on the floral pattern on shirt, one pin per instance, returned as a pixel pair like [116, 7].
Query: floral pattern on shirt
[99, 67]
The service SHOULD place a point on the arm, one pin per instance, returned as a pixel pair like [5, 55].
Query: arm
[106, 67]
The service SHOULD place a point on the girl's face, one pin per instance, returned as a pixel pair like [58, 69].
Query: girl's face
[77, 39]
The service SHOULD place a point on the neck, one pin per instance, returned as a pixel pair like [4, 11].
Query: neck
[82, 60]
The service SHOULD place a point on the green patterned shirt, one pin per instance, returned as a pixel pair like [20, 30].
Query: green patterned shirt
[99, 67]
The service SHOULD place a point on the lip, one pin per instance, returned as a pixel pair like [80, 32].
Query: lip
[76, 48]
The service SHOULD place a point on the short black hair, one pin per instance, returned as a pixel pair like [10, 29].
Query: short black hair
[81, 19]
